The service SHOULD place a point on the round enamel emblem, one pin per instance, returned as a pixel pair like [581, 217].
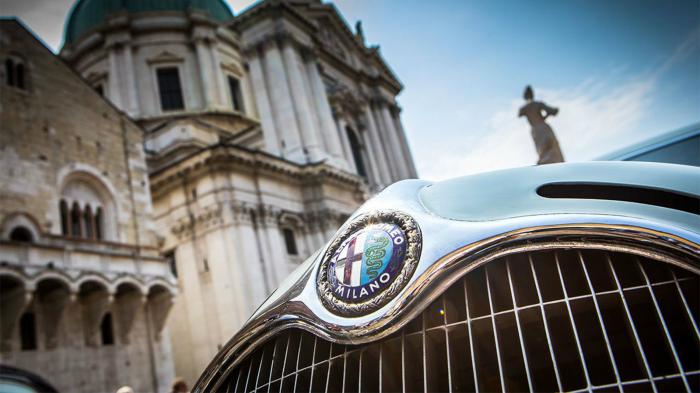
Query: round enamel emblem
[369, 263]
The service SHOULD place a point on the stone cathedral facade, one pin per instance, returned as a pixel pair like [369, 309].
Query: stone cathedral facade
[260, 133]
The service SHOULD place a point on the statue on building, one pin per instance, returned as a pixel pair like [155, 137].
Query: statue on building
[546, 142]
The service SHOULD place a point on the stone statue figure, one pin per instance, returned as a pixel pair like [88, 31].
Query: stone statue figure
[536, 112]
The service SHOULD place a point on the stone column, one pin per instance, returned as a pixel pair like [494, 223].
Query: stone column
[302, 104]
[257, 79]
[204, 73]
[407, 156]
[384, 175]
[325, 115]
[114, 82]
[283, 107]
[393, 142]
[131, 86]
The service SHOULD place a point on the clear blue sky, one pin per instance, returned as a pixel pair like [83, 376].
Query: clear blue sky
[620, 71]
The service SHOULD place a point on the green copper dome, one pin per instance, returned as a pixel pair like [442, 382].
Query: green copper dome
[86, 14]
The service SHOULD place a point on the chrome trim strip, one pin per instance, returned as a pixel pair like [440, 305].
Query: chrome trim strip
[292, 309]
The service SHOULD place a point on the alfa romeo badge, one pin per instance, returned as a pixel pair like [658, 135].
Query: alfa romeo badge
[369, 263]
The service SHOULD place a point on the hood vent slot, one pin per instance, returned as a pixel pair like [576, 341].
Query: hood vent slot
[626, 193]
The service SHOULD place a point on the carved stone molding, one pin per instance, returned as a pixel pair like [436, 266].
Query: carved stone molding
[242, 212]
[270, 215]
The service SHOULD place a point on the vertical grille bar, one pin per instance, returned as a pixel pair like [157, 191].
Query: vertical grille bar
[272, 364]
[313, 362]
[495, 332]
[345, 365]
[380, 368]
[544, 319]
[571, 320]
[425, 367]
[257, 374]
[238, 377]
[471, 341]
[631, 322]
[359, 373]
[447, 343]
[685, 304]
[600, 320]
[517, 323]
[669, 340]
[296, 366]
[247, 378]
[403, 361]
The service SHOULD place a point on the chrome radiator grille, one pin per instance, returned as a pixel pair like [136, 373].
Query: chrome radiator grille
[539, 321]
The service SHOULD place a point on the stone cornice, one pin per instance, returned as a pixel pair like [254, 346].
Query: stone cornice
[237, 158]
[201, 220]
[273, 9]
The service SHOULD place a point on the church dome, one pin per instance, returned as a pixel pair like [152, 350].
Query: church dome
[87, 14]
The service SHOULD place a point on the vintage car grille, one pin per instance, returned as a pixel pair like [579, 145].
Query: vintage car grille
[545, 320]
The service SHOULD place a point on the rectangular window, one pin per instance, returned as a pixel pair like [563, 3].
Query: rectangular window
[170, 258]
[170, 89]
[235, 90]
[290, 242]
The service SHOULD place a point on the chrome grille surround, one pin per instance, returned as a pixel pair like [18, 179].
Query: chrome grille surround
[478, 326]
[464, 246]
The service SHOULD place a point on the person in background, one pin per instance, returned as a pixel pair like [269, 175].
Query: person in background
[179, 386]
[546, 142]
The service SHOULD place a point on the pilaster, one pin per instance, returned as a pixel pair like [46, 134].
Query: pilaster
[325, 116]
[205, 74]
[302, 104]
[394, 143]
[132, 89]
[380, 158]
[262, 100]
[278, 253]
[407, 156]
[283, 107]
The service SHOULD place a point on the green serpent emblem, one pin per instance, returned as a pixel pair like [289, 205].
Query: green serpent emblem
[375, 253]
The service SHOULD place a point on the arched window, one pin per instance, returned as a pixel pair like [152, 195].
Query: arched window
[87, 209]
[98, 224]
[27, 331]
[88, 223]
[65, 218]
[21, 234]
[356, 148]
[106, 330]
[75, 220]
